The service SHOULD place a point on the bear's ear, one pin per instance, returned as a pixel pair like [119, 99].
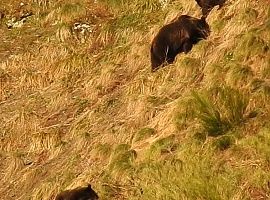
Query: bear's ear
[203, 18]
[89, 187]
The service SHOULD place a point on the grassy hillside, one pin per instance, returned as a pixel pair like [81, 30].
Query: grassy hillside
[80, 107]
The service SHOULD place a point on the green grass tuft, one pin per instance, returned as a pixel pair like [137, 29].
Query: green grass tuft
[224, 142]
[144, 133]
[122, 159]
[228, 112]
[163, 146]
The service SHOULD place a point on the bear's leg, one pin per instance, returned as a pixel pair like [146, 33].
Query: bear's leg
[157, 58]
[171, 54]
[157, 61]
[170, 59]
[155, 64]
[187, 46]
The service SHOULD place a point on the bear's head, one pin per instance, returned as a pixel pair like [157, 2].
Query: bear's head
[82, 193]
[202, 30]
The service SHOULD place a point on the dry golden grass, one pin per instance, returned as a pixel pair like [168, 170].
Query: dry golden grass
[70, 110]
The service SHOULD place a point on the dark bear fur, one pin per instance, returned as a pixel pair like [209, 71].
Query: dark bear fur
[176, 37]
[81, 193]
[208, 5]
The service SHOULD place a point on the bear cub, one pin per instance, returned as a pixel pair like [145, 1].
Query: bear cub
[208, 5]
[81, 193]
[176, 37]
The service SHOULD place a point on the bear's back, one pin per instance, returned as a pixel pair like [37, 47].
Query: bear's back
[84, 193]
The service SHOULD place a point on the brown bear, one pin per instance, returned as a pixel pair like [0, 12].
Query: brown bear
[81, 193]
[208, 5]
[176, 37]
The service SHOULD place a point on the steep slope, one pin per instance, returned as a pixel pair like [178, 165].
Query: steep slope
[80, 105]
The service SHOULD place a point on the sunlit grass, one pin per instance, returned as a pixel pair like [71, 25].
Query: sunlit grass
[75, 111]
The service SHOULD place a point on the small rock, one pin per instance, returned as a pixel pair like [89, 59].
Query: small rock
[17, 23]
[82, 30]
[82, 27]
